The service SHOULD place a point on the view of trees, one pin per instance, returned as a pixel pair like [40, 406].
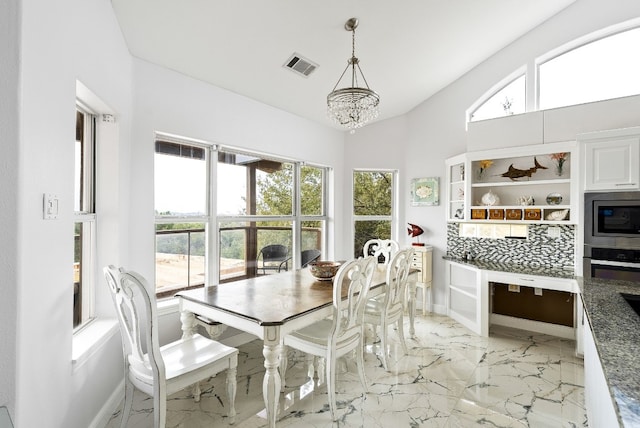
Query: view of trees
[372, 196]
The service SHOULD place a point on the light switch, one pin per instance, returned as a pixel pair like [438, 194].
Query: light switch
[50, 206]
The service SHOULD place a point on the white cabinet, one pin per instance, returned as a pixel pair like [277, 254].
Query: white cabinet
[422, 260]
[600, 408]
[456, 188]
[467, 297]
[612, 160]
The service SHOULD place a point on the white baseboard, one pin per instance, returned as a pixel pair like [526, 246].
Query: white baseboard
[109, 407]
[535, 326]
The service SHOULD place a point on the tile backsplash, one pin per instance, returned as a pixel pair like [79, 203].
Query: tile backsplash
[537, 250]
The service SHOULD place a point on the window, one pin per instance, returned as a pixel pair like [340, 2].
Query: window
[603, 69]
[598, 67]
[85, 218]
[373, 207]
[205, 236]
[505, 102]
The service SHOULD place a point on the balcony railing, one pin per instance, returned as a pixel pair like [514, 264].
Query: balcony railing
[180, 253]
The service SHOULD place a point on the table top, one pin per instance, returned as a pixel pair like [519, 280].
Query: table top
[272, 299]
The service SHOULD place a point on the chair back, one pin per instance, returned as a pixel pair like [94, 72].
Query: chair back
[397, 277]
[307, 256]
[136, 310]
[380, 247]
[274, 253]
[348, 312]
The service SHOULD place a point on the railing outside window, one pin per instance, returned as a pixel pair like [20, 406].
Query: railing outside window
[180, 253]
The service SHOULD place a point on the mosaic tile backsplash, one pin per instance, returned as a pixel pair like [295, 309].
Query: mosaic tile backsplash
[538, 250]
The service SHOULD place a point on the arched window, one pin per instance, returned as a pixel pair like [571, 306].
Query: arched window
[599, 66]
[602, 69]
[507, 100]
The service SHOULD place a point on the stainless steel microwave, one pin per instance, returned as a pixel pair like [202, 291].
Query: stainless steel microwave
[612, 219]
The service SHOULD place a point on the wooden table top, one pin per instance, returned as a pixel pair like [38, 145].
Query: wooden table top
[272, 299]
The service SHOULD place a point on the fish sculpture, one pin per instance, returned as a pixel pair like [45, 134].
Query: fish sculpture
[414, 230]
[515, 173]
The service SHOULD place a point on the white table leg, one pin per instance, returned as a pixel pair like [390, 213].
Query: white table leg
[188, 321]
[272, 382]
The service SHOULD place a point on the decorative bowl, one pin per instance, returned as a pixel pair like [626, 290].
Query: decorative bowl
[324, 270]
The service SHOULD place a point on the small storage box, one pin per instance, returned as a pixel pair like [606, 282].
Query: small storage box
[532, 214]
[496, 214]
[478, 214]
[514, 214]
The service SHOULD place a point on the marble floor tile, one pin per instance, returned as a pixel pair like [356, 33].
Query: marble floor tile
[450, 378]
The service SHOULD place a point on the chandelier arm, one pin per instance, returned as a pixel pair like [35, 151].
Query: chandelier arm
[341, 76]
[363, 78]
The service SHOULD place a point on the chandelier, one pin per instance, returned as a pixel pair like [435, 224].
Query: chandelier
[352, 107]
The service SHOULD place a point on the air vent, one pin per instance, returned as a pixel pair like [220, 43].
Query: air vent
[300, 65]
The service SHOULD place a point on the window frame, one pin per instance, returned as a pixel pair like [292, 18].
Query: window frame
[392, 217]
[213, 220]
[87, 218]
[532, 69]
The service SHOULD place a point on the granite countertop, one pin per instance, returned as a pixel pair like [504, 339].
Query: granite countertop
[614, 324]
[616, 331]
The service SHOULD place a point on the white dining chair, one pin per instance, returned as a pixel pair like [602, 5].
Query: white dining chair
[380, 247]
[388, 309]
[162, 371]
[342, 333]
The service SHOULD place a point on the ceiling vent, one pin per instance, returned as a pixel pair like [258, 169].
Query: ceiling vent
[300, 65]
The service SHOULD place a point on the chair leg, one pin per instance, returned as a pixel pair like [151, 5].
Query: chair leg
[283, 367]
[400, 324]
[331, 384]
[160, 408]
[360, 363]
[196, 392]
[383, 339]
[231, 393]
[128, 402]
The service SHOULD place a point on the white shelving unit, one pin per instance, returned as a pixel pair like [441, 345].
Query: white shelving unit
[511, 175]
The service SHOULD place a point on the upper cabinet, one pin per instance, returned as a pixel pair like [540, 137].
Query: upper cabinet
[611, 160]
[532, 184]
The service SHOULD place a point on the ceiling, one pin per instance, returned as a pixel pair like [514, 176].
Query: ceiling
[408, 49]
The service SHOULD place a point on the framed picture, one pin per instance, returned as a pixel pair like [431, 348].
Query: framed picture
[425, 191]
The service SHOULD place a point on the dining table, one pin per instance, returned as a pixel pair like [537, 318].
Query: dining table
[270, 307]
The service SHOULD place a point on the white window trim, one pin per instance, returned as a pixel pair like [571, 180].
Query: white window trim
[506, 81]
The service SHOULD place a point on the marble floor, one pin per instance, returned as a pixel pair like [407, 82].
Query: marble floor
[450, 378]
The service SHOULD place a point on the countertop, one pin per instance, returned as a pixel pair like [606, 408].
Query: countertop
[616, 331]
[615, 327]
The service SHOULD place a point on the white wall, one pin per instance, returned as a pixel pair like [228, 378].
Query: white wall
[435, 130]
[166, 101]
[61, 41]
[9, 69]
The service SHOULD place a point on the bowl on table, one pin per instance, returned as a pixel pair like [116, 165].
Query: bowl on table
[324, 270]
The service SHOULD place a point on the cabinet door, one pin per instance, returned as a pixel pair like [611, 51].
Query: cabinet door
[612, 165]
[467, 297]
[600, 408]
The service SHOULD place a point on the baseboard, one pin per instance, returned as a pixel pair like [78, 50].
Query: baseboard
[535, 326]
[439, 309]
[109, 408]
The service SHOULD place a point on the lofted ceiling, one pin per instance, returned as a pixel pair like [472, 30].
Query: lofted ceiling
[408, 49]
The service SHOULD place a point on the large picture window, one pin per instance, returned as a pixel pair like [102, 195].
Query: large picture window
[232, 214]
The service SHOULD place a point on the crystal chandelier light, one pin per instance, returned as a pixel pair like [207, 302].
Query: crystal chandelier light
[352, 107]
